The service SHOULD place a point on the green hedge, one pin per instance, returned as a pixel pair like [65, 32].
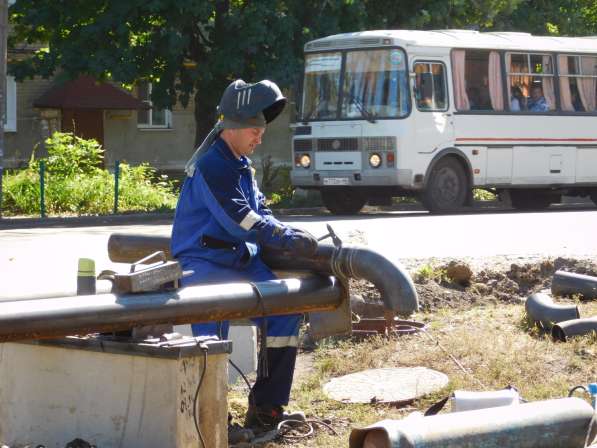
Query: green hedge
[76, 183]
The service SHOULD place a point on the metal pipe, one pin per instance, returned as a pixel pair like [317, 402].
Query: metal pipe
[575, 327]
[568, 283]
[389, 277]
[540, 308]
[53, 317]
[563, 422]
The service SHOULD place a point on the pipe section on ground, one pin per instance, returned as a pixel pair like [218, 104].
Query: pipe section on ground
[543, 424]
[390, 278]
[575, 327]
[568, 283]
[540, 308]
[54, 317]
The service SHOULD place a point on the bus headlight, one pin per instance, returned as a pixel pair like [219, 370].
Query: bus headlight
[305, 161]
[375, 160]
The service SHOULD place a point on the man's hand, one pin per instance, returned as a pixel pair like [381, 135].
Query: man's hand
[301, 242]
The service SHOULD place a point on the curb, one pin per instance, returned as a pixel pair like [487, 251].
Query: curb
[85, 221]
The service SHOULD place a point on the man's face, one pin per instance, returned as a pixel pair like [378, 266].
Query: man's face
[246, 140]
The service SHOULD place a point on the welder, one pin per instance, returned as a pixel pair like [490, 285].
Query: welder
[221, 224]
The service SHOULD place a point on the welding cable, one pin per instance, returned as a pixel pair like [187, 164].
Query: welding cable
[308, 423]
[241, 374]
[575, 388]
[204, 349]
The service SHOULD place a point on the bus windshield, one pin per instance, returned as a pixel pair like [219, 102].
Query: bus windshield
[374, 85]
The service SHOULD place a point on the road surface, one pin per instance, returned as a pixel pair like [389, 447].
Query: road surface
[45, 259]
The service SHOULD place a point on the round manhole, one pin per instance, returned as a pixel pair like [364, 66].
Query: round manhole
[387, 385]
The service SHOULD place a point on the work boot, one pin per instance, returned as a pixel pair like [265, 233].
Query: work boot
[267, 417]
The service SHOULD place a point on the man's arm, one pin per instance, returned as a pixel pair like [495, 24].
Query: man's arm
[222, 193]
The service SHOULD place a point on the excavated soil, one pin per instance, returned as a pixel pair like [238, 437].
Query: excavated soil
[488, 284]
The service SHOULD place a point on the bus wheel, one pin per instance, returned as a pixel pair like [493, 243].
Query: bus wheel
[531, 199]
[447, 189]
[593, 195]
[343, 201]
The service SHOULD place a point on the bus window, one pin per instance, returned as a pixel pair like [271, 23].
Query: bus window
[531, 82]
[430, 86]
[578, 83]
[375, 84]
[477, 80]
[321, 86]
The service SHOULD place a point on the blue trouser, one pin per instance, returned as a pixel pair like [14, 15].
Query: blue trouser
[282, 331]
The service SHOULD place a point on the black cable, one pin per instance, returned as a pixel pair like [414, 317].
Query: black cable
[195, 420]
[575, 388]
[241, 374]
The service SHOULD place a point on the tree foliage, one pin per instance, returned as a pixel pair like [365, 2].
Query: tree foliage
[187, 49]
[191, 49]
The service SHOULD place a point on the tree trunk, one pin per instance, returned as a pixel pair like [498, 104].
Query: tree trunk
[204, 117]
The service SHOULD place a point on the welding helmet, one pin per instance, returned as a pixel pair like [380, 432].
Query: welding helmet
[250, 105]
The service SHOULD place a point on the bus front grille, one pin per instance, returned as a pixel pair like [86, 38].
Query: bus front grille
[338, 144]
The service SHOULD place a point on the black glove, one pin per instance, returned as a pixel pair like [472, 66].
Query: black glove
[301, 242]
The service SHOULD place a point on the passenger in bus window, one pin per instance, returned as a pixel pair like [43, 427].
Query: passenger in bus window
[474, 98]
[537, 102]
[576, 101]
[517, 100]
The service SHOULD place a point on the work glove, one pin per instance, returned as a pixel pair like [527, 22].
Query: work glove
[301, 242]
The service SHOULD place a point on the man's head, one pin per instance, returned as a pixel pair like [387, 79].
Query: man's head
[245, 109]
[536, 92]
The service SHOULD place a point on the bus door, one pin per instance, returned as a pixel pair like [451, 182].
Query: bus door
[433, 123]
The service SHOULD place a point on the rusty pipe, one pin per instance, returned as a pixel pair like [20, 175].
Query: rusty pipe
[389, 277]
[568, 283]
[540, 308]
[564, 422]
[61, 316]
[574, 327]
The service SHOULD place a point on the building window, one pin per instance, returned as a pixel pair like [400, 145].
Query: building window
[10, 105]
[151, 118]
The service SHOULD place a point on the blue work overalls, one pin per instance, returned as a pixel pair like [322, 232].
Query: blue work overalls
[220, 222]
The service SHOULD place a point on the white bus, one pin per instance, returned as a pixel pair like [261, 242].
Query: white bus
[435, 114]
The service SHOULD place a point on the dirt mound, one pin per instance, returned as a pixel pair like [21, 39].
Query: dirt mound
[437, 290]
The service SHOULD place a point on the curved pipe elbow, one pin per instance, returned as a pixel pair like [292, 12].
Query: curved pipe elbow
[390, 278]
[575, 327]
[540, 308]
[568, 283]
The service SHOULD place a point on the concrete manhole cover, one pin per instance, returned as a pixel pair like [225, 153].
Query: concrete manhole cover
[388, 385]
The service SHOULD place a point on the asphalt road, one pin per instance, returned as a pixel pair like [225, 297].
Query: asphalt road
[41, 260]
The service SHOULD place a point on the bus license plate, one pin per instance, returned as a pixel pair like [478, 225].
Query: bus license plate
[335, 181]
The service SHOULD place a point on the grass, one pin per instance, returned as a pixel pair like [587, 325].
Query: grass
[493, 343]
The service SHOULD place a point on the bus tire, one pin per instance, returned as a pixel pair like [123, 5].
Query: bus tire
[448, 188]
[343, 201]
[593, 196]
[531, 199]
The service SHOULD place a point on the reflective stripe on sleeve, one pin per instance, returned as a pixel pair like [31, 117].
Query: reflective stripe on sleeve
[282, 341]
[249, 220]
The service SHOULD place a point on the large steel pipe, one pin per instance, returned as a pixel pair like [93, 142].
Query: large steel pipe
[53, 317]
[568, 283]
[540, 308]
[560, 423]
[393, 282]
[575, 327]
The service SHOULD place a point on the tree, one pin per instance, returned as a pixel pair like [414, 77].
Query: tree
[189, 50]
